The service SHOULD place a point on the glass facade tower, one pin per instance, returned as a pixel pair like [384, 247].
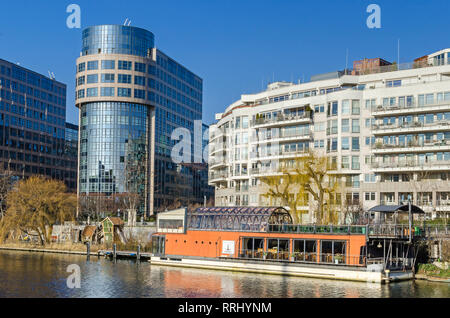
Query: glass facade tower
[131, 97]
[32, 125]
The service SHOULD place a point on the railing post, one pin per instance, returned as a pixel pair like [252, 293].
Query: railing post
[88, 250]
[138, 254]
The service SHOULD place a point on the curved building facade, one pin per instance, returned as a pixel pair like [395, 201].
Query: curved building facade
[131, 97]
[115, 114]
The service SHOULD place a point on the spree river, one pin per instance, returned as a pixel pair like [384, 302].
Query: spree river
[24, 274]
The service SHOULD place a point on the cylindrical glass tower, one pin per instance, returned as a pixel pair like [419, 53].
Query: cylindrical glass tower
[116, 130]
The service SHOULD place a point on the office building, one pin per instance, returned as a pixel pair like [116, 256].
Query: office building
[32, 125]
[131, 97]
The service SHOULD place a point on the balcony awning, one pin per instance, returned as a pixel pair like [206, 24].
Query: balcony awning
[396, 208]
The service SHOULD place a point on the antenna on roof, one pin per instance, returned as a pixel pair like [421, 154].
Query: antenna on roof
[346, 62]
[129, 23]
[53, 75]
[398, 52]
[125, 23]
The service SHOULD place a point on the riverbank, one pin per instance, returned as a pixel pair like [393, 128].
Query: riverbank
[433, 273]
[60, 248]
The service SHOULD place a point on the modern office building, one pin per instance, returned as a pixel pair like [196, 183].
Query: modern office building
[32, 125]
[385, 132]
[71, 155]
[131, 97]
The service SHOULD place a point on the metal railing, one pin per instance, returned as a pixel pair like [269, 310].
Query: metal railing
[303, 257]
[435, 143]
[277, 119]
[317, 229]
[416, 124]
[411, 163]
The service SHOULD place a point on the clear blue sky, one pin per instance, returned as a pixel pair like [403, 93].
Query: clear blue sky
[234, 45]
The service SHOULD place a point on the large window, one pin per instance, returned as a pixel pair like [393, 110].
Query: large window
[333, 252]
[252, 247]
[92, 65]
[124, 79]
[125, 65]
[124, 92]
[108, 64]
[305, 250]
[92, 79]
[278, 249]
[107, 78]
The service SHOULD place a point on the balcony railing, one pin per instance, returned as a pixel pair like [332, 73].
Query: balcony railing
[283, 134]
[278, 119]
[280, 153]
[411, 164]
[412, 144]
[412, 106]
[443, 124]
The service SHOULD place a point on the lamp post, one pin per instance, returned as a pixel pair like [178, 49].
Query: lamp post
[410, 219]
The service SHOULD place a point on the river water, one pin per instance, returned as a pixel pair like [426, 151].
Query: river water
[24, 274]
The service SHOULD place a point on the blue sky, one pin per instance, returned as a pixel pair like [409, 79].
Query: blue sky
[236, 46]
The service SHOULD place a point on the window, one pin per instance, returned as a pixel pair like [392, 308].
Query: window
[92, 79]
[108, 64]
[107, 78]
[332, 109]
[124, 79]
[395, 83]
[81, 80]
[81, 67]
[92, 92]
[139, 80]
[333, 252]
[92, 65]
[355, 126]
[107, 91]
[139, 93]
[334, 144]
[345, 162]
[345, 107]
[369, 196]
[355, 107]
[140, 67]
[355, 163]
[124, 92]
[345, 143]
[355, 143]
[345, 125]
[125, 65]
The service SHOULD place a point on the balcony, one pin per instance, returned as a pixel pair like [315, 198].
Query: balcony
[280, 120]
[443, 125]
[411, 165]
[411, 147]
[381, 110]
[279, 155]
[216, 162]
[216, 176]
[282, 136]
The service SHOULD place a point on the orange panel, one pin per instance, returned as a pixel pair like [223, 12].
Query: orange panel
[209, 243]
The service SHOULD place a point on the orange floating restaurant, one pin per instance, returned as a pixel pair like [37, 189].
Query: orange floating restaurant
[265, 240]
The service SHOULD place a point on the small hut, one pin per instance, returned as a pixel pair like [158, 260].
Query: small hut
[112, 228]
[89, 234]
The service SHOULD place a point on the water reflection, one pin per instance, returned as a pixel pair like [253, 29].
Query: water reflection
[44, 275]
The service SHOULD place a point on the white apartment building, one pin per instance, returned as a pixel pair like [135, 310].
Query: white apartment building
[386, 131]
